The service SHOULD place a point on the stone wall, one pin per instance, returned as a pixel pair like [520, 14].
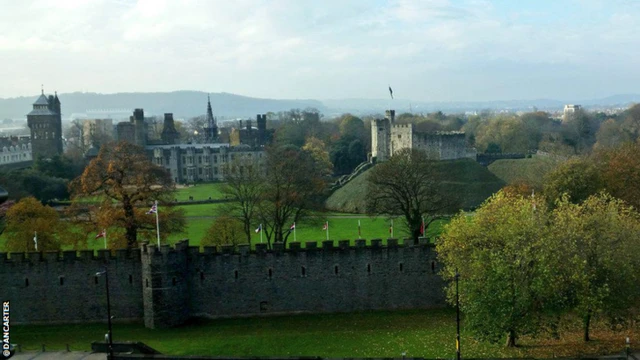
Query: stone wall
[167, 286]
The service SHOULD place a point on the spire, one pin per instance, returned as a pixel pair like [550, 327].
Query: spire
[211, 130]
[42, 89]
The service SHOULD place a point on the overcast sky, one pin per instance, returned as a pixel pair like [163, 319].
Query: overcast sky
[429, 50]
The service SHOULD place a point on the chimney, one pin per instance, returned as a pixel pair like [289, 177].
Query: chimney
[138, 114]
[390, 115]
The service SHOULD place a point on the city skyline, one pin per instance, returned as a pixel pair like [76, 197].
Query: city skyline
[435, 50]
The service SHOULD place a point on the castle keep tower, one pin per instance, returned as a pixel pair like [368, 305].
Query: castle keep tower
[45, 122]
[381, 136]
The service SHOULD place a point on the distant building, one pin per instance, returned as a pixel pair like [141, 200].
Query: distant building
[96, 132]
[45, 123]
[190, 163]
[569, 111]
[252, 136]
[14, 149]
[387, 138]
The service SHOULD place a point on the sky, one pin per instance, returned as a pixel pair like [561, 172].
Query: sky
[426, 50]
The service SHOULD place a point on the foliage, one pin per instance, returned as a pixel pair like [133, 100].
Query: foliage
[129, 182]
[578, 178]
[318, 151]
[4, 207]
[530, 171]
[27, 218]
[58, 166]
[415, 194]
[497, 253]
[596, 243]
[225, 230]
[27, 182]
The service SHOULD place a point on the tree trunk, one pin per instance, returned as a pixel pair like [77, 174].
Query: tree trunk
[131, 230]
[587, 322]
[511, 339]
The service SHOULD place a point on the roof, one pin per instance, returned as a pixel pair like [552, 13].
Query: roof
[42, 100]
[41, 112]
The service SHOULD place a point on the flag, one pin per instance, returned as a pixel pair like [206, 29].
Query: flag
[391, 228]
[35, 239]
[325, 226]
[154, 209]
[259, 228]
[102, 234]
[359, 228]
[293, 227]
[391, 92]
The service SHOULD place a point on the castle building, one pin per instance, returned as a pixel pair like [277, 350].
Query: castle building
[249, 135]
[14, 149]
[569, 111]
[387, 138]
[45, 123]
[211, 127]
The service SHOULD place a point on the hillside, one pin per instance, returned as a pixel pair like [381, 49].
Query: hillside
[530, 170]
[463, 176]
[183, 104]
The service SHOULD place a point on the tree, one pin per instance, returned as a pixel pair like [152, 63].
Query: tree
[611, 134]
[4, 207]
[244, 183]
[129, 182]
[578, 178]
[225, 230]
[497, 253]
[409, 185]
[317, 149]
[27, 218]
[293, 185]
[598, 240]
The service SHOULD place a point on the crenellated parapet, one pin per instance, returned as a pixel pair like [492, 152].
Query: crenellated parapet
[167, 285]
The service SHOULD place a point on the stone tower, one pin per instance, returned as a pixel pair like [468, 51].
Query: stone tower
[169, 134]
[381, 136]
[140, 127]
[211, 128]
[45, 122]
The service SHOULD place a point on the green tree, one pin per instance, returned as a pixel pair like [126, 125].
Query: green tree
[409, 185]
[598, 240]
[497, 254]
[578, 178]
[27, 218]
[129, 182]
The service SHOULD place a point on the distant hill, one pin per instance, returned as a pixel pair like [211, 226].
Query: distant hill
[183, 104]
[463, 176]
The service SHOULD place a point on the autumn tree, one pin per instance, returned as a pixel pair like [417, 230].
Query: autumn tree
[578, 178]
[244, 184]
[225, 230]
[597, 241]
[499, 255]
[128, 182]
[293, 185]
[409, 184]
[29, 218]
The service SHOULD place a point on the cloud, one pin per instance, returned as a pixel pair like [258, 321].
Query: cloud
[319, 49]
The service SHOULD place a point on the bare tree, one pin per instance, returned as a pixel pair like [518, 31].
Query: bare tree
[409, 185]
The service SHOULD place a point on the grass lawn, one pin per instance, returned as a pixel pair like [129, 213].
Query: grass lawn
[340, 228]
[419, 333]
[200, 192]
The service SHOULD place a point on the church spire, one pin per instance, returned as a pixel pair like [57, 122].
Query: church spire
[211, 129]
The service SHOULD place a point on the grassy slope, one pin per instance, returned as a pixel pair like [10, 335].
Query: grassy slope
[463, 176]
[530, 170]
[419, 333]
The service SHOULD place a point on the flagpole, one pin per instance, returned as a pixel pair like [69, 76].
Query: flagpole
[359, 236]
[35, 239]
[105, 238]
[392, 228]
[294, 231]
[327, 229]
[157, 224]
[261, 233]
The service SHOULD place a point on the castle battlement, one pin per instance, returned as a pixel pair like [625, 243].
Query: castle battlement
[167, 285]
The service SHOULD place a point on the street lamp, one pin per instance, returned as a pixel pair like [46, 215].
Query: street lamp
[110, 333]
[457, 276]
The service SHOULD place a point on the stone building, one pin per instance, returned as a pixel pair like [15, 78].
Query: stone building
[569, 111]
[45, 123]
[14, 149]
[96, 132]
[387, 138]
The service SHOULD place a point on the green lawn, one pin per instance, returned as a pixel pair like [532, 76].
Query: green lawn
[418, 333]
[200, 192]
[340, 228]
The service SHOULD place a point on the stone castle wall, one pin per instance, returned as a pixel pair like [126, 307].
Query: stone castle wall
[167, 286]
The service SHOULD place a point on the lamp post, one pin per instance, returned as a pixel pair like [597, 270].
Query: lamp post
[110, 333]
[457, 318]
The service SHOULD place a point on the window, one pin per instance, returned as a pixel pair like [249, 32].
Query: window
[335, 269]
[173, 281]
[369, 268]
[95, 280]
[61, 278]
[235, 274]
[303, 271]
[270, 273]
[130, 279]
[26, 282]
[401, 265]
